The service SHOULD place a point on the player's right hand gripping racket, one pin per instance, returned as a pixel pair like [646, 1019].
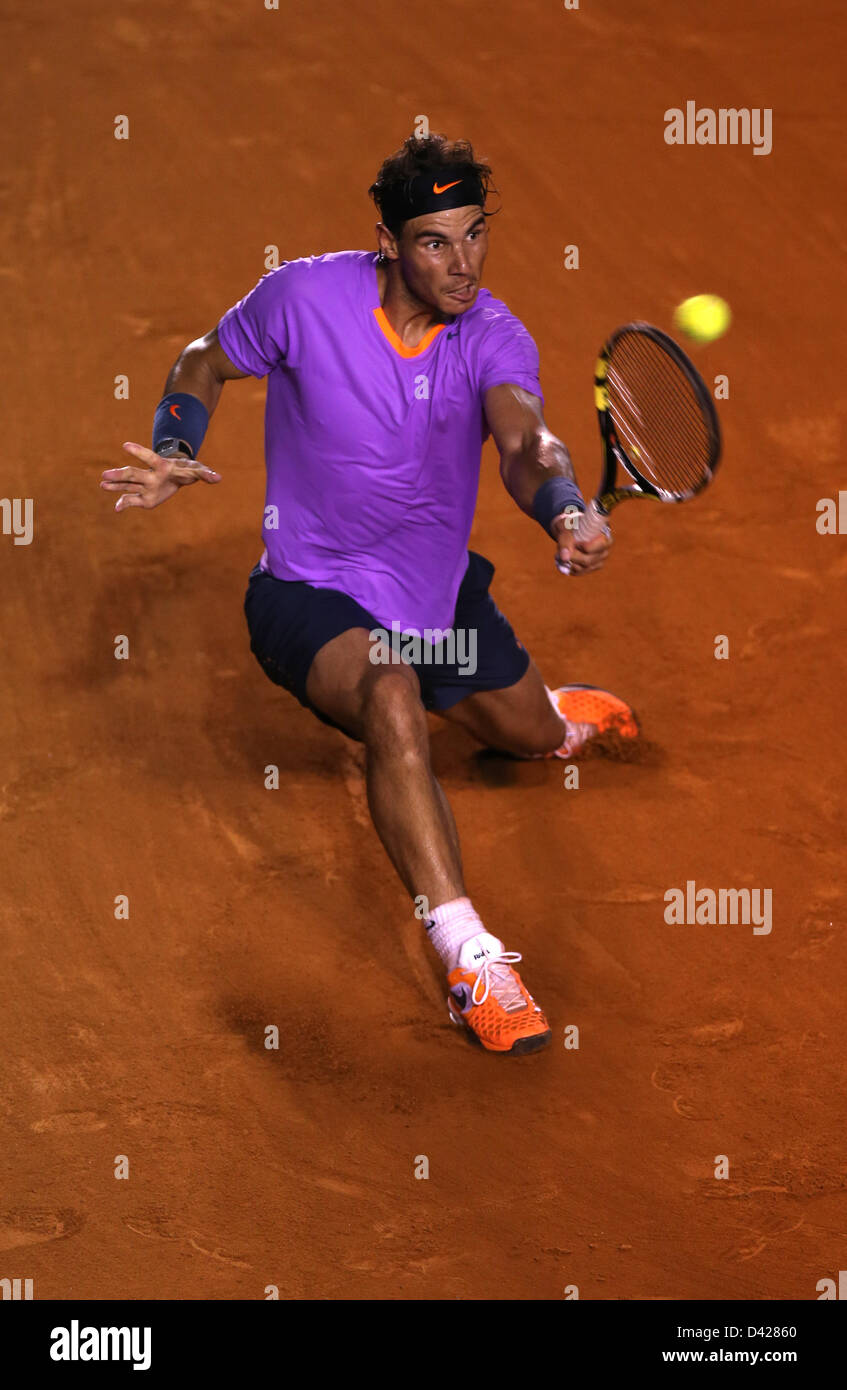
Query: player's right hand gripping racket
[657, 421]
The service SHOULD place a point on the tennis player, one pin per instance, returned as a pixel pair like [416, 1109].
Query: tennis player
[386, 373]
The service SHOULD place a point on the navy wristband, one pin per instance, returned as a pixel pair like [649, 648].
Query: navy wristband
[552, 498]
[181, 417]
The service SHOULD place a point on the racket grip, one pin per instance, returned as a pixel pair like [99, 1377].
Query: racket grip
[593, 522]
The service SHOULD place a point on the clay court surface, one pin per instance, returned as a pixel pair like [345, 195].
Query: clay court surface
[248, 907]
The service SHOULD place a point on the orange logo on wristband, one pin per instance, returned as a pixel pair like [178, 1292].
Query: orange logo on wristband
[174, 410]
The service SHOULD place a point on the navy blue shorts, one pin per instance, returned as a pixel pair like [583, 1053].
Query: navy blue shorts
[289, 622]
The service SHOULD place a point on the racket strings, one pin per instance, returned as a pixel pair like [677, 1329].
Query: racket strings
[673, 463]
[667, 443]
[661, 427]
[659, 416]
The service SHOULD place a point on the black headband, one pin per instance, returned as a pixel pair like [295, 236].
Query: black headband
[433, 191]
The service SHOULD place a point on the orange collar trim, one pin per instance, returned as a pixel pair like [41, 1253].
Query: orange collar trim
[398, 346]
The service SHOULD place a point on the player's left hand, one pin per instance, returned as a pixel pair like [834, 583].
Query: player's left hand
[583, 556]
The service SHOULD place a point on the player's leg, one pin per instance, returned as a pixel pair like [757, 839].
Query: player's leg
[504, 702]
[380, 705]
[316, 643]
[513, 720]
[519, 719]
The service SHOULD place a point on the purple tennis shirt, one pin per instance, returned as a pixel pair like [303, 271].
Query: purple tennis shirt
[372, 449]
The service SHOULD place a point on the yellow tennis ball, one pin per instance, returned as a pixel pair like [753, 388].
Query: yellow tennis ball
[704, 317]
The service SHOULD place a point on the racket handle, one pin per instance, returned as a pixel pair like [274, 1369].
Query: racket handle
[592, 523]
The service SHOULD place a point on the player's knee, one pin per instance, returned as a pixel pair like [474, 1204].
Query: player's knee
[392, 709]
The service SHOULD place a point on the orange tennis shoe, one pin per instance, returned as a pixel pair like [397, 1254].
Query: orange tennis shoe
[489, 998]
[591, 713]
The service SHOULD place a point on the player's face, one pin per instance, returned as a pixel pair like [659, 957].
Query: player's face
[441, 257]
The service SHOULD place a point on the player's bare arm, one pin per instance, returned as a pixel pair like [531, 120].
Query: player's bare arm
[530, 455]
[200, 371]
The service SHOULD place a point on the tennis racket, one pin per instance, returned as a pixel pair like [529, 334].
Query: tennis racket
[657, 422]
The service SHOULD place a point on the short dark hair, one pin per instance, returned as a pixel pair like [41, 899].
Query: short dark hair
[417, 155]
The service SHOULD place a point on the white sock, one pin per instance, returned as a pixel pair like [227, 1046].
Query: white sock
[567, 727]
[450, 926]
[566, 724]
